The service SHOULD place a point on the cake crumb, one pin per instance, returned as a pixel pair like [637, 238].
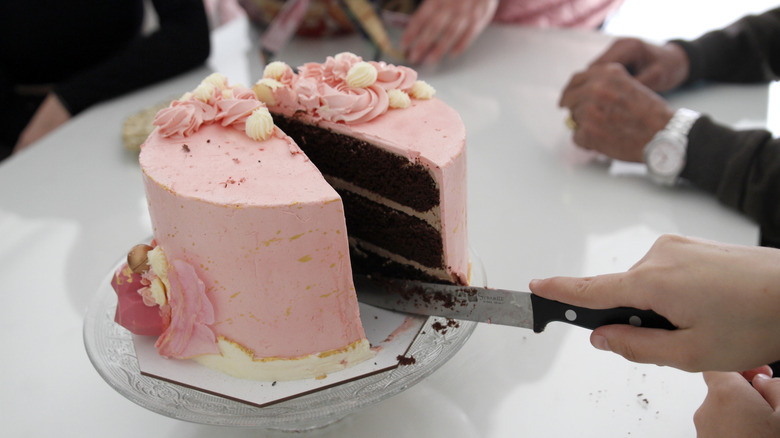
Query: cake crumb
[185, 148]
[406, 360]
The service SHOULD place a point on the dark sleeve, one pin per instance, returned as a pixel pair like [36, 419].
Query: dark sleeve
[746, 51]
[741, 168]
[179, 44]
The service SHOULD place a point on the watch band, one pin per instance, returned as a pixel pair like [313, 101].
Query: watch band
[682, 121]
[674, 135]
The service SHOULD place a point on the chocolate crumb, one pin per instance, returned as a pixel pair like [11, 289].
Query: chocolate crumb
[185, 148]
[404, 360]
[208, 141]
[274, 384]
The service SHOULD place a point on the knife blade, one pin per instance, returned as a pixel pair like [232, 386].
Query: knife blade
[495, 306]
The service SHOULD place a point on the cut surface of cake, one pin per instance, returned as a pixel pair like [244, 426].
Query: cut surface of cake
[249, 269]
[394, 152]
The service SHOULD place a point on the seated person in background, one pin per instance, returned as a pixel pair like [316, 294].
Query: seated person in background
[57, 58]
[724, 300]
[434, 29]
[442, 28]
[615, 110]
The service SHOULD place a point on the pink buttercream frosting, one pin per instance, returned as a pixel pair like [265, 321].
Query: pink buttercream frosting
[321, 89]
[185, 116]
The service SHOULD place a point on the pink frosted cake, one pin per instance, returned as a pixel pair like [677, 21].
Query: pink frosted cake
[250, 271]
[395, 154]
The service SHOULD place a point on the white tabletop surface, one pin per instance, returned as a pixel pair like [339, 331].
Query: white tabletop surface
[73, 204]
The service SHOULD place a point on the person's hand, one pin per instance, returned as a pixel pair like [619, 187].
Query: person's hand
[724, 299]
[614, 114]
[660, 68]
[734, 408]
[445, 27]
[49, 115]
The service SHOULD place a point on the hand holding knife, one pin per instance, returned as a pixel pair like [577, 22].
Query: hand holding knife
[495, 306]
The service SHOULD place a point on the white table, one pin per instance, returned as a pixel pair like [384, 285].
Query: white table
[72, 205]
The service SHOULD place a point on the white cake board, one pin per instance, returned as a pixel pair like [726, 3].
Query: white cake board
[390, 333]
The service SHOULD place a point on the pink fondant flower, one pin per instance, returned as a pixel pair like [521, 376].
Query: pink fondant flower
[188, 334]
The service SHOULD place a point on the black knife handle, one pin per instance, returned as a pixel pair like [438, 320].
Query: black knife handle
[546, 311]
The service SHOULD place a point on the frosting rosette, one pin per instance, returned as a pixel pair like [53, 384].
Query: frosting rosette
[353, 105]
[184, 117]
[392, 77]
[343, 89]
[208, 103]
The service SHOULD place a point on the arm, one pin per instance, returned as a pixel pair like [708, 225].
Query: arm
[724, 299]
[741, 168]
[180, 44]
[746, 51]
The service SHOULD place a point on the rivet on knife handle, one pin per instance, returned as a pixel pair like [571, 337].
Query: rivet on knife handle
[546, 311]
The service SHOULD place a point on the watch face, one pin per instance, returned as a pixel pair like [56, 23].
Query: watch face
[665, 157]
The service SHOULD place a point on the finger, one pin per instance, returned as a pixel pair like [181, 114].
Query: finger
[749, 375]
[623, 51]
[712, 378]
[645, 345]
[769, 388]
[417, 24]
[572, 90]
[468, 34]
[427, 38]
[445, 41]
[475, 27]
[600, 292]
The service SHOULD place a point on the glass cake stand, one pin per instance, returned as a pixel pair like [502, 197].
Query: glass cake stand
[110, 349]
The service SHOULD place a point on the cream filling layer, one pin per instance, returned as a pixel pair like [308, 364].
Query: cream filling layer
[432, 216]
[238, 362]
[361, 245]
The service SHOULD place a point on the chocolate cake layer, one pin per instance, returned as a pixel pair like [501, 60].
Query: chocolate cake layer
[387, 174]
[396, 232]
[371, 264]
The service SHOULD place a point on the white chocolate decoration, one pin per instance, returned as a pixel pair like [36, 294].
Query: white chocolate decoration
[275, 70]
[398, 99]
[204, 92]
[264, 90]
[260, 125]
[361, 75]
[422, 90]
[218, 80]
[161, 284]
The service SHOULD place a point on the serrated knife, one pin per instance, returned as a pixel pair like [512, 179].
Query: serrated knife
[495, 306]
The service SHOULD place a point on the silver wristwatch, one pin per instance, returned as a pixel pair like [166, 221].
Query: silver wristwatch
[665, 154]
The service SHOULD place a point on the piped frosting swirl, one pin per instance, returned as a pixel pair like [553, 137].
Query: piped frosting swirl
[212, 101]
[343, 89]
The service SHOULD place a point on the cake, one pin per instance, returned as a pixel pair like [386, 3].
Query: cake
[249, 269]
[263, 202]
[395, 153]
